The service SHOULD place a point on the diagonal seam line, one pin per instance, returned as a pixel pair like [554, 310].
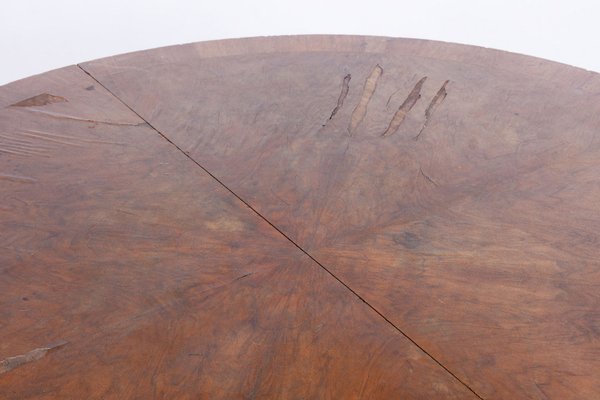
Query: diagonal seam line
[284, 235]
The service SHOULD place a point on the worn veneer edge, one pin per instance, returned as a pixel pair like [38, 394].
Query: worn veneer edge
[488, 58]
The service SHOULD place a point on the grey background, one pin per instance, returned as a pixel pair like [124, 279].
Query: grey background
[39, 35]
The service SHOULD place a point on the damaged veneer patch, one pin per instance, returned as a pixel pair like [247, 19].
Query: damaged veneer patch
[40, 100]
[11, 363]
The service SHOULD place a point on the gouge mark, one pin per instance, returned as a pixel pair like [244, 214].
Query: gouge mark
[437, 99]
[361, 108]
[405, 107]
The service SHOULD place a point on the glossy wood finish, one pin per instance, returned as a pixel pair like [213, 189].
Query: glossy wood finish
[128, 272]
[454, 188]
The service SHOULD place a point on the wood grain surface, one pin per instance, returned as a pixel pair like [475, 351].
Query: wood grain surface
[128, 272]
[455, 189]
[329, 217]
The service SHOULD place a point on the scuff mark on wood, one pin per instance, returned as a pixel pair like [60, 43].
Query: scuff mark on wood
[14, 146]
[17, 178]
[361, 108]
[15, 153]
[343, 94]
[11, 363]
[211, 288]
[437, 99]
[405, 107]
[37, 143]
[74, 118]
[53, 137]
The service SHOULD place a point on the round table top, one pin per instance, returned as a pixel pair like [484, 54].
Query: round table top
[308, 217]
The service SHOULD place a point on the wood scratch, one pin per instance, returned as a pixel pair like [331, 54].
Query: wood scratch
[343, 94]
[428, 177]
[361, 108]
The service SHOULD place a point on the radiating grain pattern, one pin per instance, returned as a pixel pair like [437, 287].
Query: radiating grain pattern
[127, 272]
[479, 239]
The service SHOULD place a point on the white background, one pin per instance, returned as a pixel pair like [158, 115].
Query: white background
[38, 35]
